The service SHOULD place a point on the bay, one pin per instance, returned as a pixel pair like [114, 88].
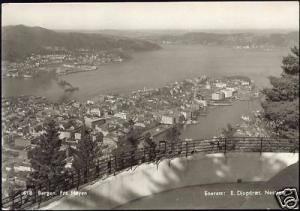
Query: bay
[155, 69]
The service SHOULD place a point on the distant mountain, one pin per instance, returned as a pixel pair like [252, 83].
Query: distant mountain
[235, 39]
[20, 41]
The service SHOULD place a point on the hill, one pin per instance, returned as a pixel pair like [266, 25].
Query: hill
[20, 41]
[230, 39]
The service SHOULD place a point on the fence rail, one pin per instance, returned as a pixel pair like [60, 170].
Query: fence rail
[131, 160]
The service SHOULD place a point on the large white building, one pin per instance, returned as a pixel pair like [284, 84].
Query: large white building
[227, 93]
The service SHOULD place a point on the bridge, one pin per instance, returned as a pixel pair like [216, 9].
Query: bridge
[165, 152]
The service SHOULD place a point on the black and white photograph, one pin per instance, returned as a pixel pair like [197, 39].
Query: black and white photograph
[150, 105]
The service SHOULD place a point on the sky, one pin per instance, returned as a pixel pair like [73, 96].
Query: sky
[154, 15]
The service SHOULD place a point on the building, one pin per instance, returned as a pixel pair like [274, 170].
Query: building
[121, 115]
[140, 124]
[218, 96]
[220, 85]
[77, 136]
[64, 135]
[187, 114]
[245, 83]
[76, 105]
[90, 102]
[93, 122]
[167, 120]
[95, 111]
[227, 92]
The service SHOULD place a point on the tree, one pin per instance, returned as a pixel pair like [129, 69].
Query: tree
[173, 133]
[47, 159]
[131, 140]
[149, 140]
[151, 143]
[229, 131]
[281, 105]
[87, 151]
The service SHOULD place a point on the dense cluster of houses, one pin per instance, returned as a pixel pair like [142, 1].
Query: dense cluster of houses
[64, 62]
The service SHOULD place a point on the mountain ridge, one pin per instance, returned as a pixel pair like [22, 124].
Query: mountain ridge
[19, 41]
[234, 39]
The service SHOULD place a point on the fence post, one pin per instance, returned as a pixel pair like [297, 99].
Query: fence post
[131, 160]
[115, 165]
[78, 181]
[165, 147]
[85, 175]
[109, 165]
[41, 196]
[152, 154]
[154, 149]
[225, 141]
[261, 146]
[13, 201]
[186, 149]
[97, 168]
[179, 149]
[21, 200]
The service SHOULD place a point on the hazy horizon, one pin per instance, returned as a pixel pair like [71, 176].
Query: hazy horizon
[215, 30]
[137, 16]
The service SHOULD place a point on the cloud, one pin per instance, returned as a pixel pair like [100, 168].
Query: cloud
[151, 15]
